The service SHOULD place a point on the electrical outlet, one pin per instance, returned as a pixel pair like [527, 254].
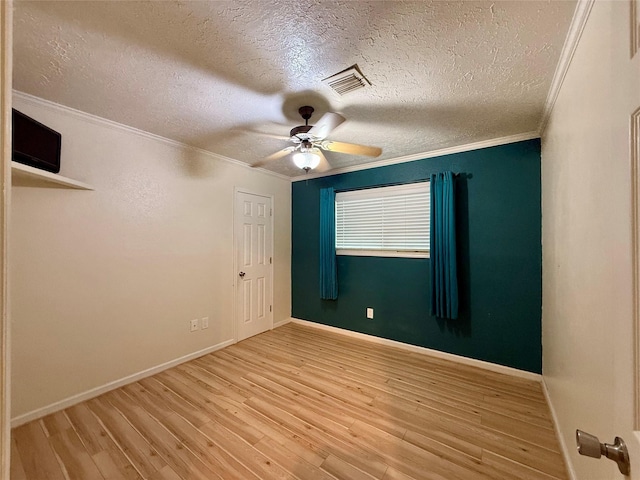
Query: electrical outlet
[205, 322]
[369, 312]
[194, 325]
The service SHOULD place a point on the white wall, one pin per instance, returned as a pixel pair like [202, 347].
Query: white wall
[105, 282]
[586, 194]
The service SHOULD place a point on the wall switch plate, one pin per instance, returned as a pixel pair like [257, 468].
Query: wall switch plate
[205, 322]
[194, 325]
[369, 312]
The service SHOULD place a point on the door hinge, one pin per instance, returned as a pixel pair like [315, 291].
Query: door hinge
[271, 212]
[270, 308]
[270, 260]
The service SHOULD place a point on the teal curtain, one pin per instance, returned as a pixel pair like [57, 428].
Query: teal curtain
[328, 268]
[444, 277]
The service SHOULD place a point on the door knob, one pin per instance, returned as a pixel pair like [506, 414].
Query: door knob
[242, 274]
[590, 446]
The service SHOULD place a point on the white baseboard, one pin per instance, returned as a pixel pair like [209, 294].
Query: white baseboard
[282, 322]
[494, 367]
[94, 392]
[556, 425]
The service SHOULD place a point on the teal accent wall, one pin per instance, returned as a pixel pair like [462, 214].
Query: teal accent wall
[499, 261]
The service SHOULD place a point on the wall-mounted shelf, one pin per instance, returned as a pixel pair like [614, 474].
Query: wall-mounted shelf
[26, 176]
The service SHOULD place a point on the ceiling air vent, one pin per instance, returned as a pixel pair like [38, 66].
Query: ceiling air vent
[347, 80]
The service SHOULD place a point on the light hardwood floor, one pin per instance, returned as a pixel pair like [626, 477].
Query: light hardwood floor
[299, 402]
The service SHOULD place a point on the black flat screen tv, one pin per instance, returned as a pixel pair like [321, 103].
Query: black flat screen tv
[35, 144]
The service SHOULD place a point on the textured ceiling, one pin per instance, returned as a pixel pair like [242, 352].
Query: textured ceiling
[209, 74]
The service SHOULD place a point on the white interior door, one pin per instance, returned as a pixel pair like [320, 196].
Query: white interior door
[254, 263]
[626, 396]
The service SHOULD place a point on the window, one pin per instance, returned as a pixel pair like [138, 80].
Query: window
[385, 221]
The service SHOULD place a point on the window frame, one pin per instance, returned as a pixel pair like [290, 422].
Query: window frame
[370, 192]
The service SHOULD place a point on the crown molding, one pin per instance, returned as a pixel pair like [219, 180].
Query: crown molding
[88, 117]
[578, 22]
[494, 142]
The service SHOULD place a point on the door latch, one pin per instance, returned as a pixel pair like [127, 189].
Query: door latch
[590, 446]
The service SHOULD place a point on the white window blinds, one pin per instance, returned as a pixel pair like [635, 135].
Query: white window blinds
[384, 219]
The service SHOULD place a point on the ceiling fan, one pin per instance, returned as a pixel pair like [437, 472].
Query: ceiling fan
[310, 140]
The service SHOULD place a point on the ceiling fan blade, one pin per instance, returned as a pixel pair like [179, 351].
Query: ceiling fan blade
[351, 148]
[326, 124]
[274, 156]
[324, 165]
[264, 134]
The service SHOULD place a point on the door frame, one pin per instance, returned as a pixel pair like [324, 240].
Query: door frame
[633, 443]
[236, 191]
[635, 230]
[6, 67]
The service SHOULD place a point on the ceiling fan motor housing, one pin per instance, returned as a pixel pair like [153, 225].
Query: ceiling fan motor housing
[302, 129]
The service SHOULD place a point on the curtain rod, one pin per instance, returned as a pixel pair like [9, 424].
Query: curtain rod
[392, 184]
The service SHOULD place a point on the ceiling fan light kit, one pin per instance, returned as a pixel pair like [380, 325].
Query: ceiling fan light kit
[306, 160]
[309, 139]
